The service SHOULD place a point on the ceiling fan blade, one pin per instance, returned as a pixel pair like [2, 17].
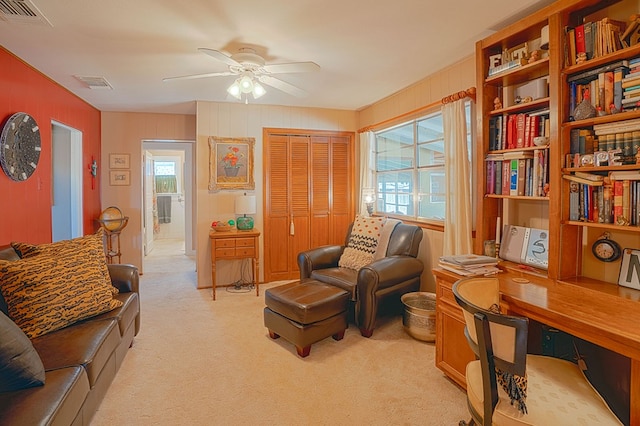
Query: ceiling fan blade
[219, 56]
[291, 67]
[194, 76]
[282, 85]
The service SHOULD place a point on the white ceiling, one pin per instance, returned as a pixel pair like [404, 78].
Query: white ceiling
[367, 49]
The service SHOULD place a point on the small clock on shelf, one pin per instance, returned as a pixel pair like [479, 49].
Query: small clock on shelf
[605, 249]
[20, 146]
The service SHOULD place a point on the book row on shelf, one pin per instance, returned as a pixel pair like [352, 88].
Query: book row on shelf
[513, 131]
[611, 144]
[609, 89]
[518, 173]
[614, 199]
[594, 39]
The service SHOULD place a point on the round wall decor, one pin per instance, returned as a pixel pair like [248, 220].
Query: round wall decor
[20, 146]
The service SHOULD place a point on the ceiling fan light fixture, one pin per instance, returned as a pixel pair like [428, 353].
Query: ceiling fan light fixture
[246, 83]
[258, 90]
[234, 90]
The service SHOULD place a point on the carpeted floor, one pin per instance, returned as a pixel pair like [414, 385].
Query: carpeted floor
[200, 362]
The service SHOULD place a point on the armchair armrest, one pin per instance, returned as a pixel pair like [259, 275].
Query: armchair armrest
[387, 272]
[124, 277]
[382, 278]
[318, 258]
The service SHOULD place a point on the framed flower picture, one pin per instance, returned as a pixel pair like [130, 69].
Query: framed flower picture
[231, 163]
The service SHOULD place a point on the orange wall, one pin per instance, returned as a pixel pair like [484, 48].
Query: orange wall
[26, 206]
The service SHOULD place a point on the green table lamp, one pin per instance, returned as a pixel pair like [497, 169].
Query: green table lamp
[244, 205]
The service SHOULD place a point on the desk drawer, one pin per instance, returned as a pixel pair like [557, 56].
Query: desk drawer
[245, 251]
[226, 242]
[228, 253]
[244, 242]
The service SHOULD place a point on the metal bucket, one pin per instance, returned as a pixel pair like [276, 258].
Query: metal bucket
[419, 317]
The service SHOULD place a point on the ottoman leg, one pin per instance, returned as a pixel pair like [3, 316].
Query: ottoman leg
[273, 335]
[366, 332]
[303, 352]
[338, 336]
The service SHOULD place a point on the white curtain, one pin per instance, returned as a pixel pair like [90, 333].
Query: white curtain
[367, 166]
[457, 224]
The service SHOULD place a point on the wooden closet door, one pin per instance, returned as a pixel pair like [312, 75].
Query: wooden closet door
[299, 196]
[276, 208]
[308, 197]
[342, 188]
[320, 176]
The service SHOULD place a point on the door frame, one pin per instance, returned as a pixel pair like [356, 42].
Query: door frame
[67, 182]
[189, 186]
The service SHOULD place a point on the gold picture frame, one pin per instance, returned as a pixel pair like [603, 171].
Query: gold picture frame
[119, 161]
[119, 177]
[231, 163]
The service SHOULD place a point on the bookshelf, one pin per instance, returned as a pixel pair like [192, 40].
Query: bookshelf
[570, 257]
[538, 79]
[577, 236]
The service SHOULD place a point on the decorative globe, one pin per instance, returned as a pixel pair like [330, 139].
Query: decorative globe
[112, 219]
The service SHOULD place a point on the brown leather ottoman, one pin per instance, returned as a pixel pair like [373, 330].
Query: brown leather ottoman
[305, 312]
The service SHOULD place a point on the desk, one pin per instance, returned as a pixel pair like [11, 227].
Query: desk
[606, 315]
[231, 245]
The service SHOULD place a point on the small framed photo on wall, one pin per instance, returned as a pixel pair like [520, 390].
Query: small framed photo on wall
[118, 161]
[119, 177]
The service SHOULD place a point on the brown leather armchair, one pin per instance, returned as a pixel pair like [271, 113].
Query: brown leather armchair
[389, 277]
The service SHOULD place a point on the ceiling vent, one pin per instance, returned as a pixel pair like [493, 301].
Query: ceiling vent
[21, 11]
[95, 82]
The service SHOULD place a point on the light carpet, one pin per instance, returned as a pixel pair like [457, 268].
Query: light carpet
[202, 362]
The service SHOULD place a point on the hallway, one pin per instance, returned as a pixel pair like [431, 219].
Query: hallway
[168, 257]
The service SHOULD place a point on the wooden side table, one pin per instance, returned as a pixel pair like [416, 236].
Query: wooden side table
[230, 245]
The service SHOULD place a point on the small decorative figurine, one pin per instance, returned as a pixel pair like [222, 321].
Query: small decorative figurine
[535, 55]
[584, 109]
[582, 57]
[497, 104]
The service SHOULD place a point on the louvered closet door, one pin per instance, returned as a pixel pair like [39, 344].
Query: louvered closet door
[276, 232]
[342, 191]
[308, 197]
[301, 165]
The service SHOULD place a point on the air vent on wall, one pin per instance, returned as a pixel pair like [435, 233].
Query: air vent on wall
[21, 11]
[94, 82]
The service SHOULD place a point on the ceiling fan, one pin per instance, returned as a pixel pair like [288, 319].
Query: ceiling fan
[252, 70]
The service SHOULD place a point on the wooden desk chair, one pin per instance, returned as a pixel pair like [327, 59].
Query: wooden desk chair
[556, 391]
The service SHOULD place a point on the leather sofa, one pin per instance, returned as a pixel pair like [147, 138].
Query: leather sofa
[80, 361]
[381, 280]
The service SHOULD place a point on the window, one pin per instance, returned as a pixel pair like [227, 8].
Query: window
[164, 168]
[165, 176]
[410, 167]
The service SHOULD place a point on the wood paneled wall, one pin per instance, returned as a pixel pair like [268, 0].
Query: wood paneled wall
[457, 77]
[26, 214]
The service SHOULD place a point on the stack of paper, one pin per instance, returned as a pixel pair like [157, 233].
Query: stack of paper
[470, 264]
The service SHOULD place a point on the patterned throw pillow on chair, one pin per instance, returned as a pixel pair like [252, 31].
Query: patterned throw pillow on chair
[363, 242]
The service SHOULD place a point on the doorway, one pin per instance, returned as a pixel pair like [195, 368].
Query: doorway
[167, 194]
[66, 165]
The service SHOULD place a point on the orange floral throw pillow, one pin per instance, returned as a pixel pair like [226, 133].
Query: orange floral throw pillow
[51, 289]
[362, 244]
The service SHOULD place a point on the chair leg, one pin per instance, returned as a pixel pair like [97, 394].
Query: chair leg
[366, 333]
[338, 336]
[469, 423]
[303, 352]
